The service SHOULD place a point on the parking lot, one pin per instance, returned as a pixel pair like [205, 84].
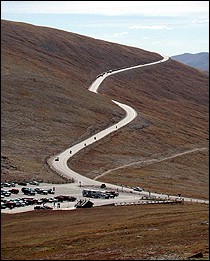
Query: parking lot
[70, 189]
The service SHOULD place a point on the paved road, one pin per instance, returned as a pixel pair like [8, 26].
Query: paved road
[61, 165]
[126, 195]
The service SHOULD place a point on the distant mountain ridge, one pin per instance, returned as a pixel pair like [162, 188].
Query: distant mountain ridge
[199, 60]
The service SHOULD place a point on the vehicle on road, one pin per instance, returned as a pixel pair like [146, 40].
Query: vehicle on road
[138, 189]
[103, 185]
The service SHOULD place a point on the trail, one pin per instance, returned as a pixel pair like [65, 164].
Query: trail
[150, 161]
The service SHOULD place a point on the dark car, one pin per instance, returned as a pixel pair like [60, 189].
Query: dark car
[39, 207]
[48, 207]
[103, 185]
[43, 207]
[112, 192]
[28, 191]
[10, 204]
[28, 201]
[59, 198]
[69, 198]
[38, 190]
[22, 183]
[50, 191]
[14, 191]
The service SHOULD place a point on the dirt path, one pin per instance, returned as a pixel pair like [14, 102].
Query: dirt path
[151, 161]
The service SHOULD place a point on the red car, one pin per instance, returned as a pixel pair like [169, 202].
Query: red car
[14, 191]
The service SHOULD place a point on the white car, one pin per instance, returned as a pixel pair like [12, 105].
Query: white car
[138, 189]
[34, 183]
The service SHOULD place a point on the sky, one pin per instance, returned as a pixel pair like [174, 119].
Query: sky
[165, 27]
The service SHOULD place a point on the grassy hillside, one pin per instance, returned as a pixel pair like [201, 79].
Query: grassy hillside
[146, 232]
[172, 102]
[46, 107]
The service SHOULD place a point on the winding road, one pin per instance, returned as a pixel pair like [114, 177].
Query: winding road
[126, 195]
[61, 166]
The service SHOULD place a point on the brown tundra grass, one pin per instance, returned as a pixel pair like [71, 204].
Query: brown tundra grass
[138, 232]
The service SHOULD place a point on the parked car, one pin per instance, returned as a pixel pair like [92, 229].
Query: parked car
[41, 191]
[7, 184]
[59, 198]
[44, 192]
[3, 206]
[28, 191]
[69, 198]
[5, 193]
[22, 183]
[51, 200]
[30, 201]
[113, 192]
[43, 207]
[12, 183]
[10, 204]
[39, 207]
[50, 191]
[37, 190]
[33, 182]
[14, 191]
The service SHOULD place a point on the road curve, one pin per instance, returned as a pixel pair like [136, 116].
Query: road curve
[61, 165]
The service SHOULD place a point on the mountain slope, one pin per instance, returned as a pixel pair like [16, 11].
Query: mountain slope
[45, 102]
[199, 60]
[46, 108]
